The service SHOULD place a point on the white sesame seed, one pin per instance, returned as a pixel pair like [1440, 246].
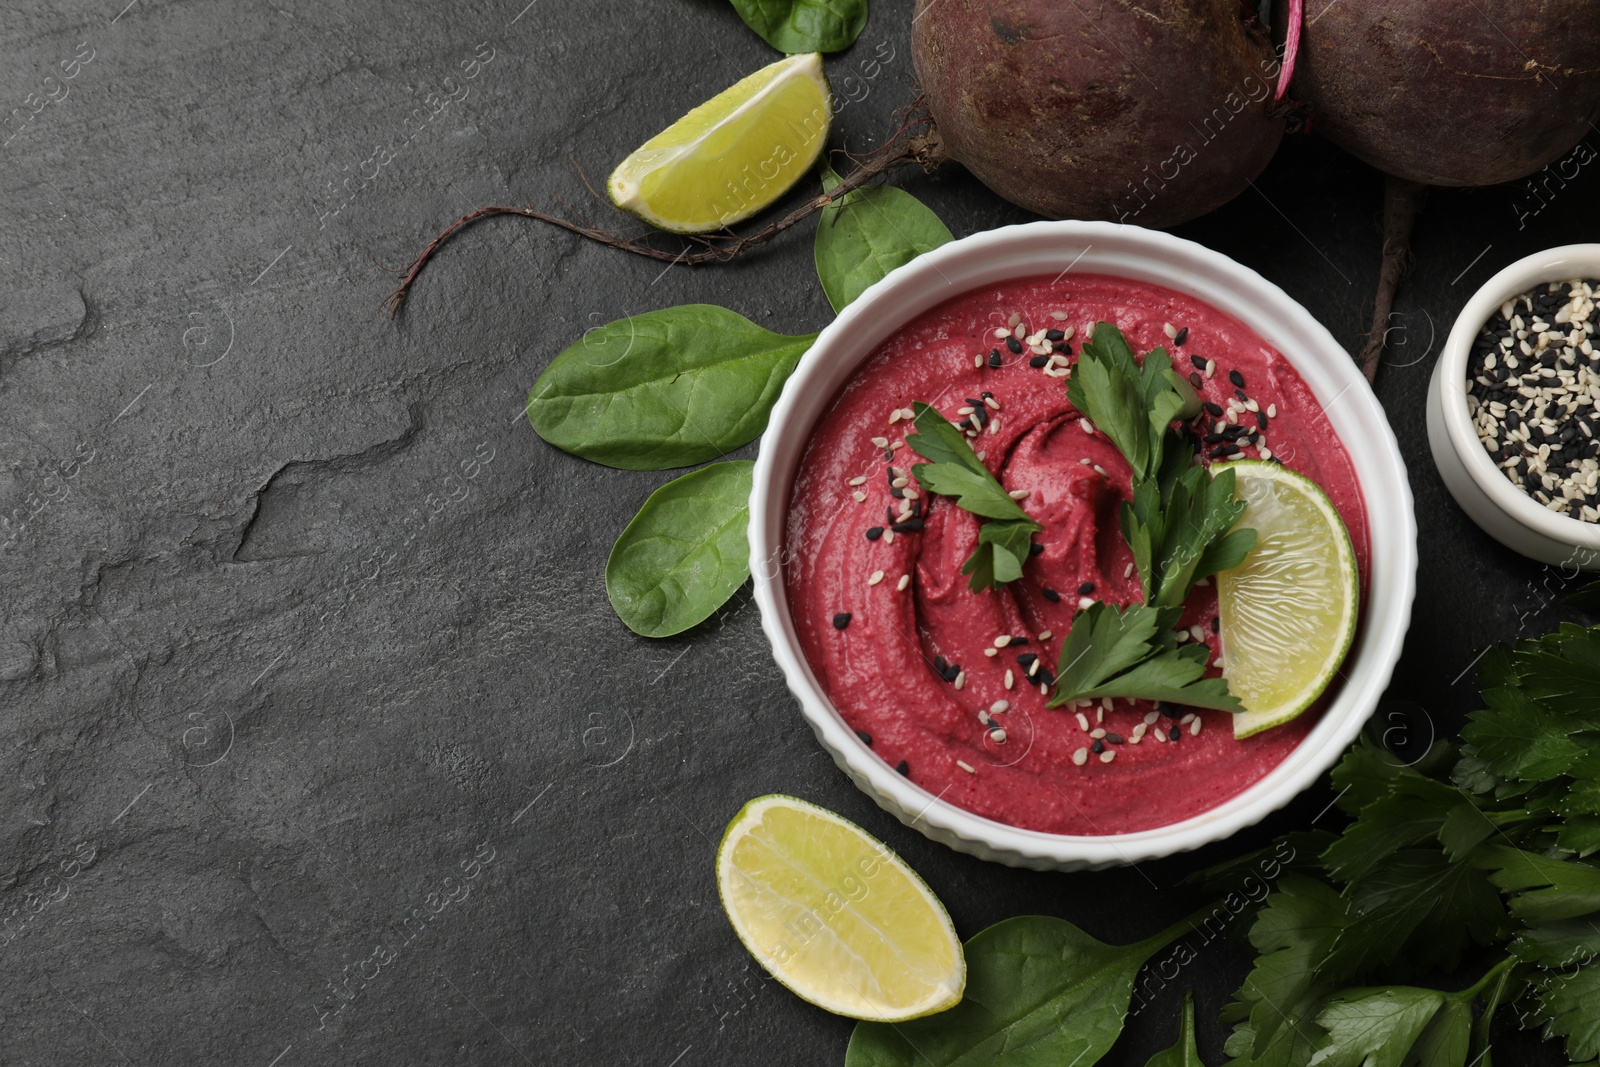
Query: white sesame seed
[1187, 719]
[1101, 471]
[1085, 603]
[1272, 411]
[1127, 572]
[1000, 707]
[1016, 317]
[998, 736]
[1086, 426]
[880, 442]
[1211, 368]
[991, 652]
[1138, 733]
[1198, 632]
[877, 576]
[1150, 717]
[990, 403]
[1108, 755]
[859, 496]
[895, 416]
[1194, 727]
[1081, 756]
[910, 494]
[1097, 733]
[1266, 453]
[1083, 722]
[1170, 330]
[1161, 735]
[905, 580]
[1011, 679]
[860, 479]
[1059, 316]
[1045, 635]
[888, 537]
[1002, 641]
[961, 680]
[1018, 494]
[964, 765]
[1018, 330]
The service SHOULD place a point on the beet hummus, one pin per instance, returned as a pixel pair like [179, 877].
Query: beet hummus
[934, 677]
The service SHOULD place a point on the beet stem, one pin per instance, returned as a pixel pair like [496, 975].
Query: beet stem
[925, 149]
[1291, 47]
[1402, 200]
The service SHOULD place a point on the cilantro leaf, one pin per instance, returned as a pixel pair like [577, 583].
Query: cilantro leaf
[1132, 652]
[955, 471]
[1374, 1027]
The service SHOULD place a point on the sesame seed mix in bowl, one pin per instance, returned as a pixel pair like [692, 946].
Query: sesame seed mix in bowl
[1533, 380]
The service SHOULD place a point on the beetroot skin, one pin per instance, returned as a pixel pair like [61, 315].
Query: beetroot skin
[1151, 113]
[1446, 93]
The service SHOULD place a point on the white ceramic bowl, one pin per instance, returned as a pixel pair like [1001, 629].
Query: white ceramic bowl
[1506, 513]
[1016, 252]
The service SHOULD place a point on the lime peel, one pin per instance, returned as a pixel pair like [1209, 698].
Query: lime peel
[1288, 611]
[834, 915]
[733, 155]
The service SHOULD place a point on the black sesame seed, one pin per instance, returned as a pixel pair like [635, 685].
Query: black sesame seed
[1017, 642]
[1214, 410]
[940, 663]
[1035, 548]
[1063, 348]
[866, 738]
[1054, 335]
[1038, 361]
[1216, 625]
[1261, 419]
[1051, 595]
[1098, 747]
[1236, 378]
[994, 357]
[841, 620]
[874, 532]
[1198, 361]
[1195, 379]
[951, 673]
[1168, 709]
[1026, 660]
[1174, 733]
[1086, 588]
[904, 768]
[1014, 345]
[1240, 393]
[909, 526]
[1183, 335]
[1115, 739]
[897, 493]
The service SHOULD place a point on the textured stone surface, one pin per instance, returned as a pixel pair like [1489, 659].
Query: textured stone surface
[310, 695]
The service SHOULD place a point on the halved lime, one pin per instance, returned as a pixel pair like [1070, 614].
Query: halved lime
[734, 154]
[1289, 610]
[831, 913]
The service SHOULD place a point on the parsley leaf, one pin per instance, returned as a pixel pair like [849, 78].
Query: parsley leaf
[955, 471]
[1375, 1028]
[1570, 1006]
[1132, 652]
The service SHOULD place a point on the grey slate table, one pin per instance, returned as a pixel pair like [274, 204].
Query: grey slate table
[319, 742]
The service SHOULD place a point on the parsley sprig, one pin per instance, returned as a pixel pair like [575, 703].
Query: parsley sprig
[1478, 867]
[955, 471]
[1179, 525]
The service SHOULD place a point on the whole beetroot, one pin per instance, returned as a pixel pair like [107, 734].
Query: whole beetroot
[1150, 113]
[1449, 93]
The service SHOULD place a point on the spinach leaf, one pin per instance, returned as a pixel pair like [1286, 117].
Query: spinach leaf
[868, 234]
[805, 25]
[1040, 993]
[1185, 1053]
[664, 389]
[685, 553]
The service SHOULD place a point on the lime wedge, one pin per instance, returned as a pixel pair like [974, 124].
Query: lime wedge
[734, 154]
[1289, 610]
[831, 913]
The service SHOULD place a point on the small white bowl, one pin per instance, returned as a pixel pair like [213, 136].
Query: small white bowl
[1016, 252]
[1506, 513]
